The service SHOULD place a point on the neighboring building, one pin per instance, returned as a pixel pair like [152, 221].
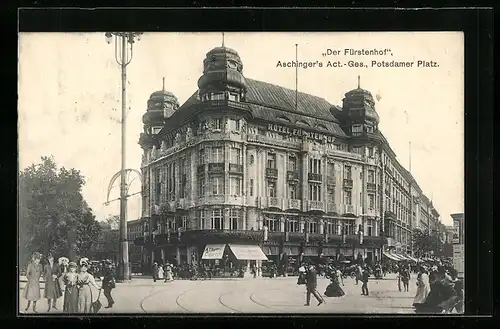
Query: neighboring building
[459, 227]
[245, 162]
[449, 234]
[134, 231]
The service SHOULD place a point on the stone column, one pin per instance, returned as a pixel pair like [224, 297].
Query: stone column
[304, 180]
[178, 251]
[162, 251]
[226, 218]
[188, 255]
[245, 175]
[282, 223]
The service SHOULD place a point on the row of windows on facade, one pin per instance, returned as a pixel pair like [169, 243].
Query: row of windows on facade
[216, 220]
[217, 188]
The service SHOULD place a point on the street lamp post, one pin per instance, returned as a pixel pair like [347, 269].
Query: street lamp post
[124, 42]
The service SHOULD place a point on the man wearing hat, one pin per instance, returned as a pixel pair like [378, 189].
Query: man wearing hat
[108, 282]
[52, 291]
[312, 284]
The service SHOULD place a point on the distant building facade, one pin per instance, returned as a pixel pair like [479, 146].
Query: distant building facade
[245, 162]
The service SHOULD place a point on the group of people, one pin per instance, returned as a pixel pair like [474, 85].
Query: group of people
[66, 279]
[162, 272]
[438, 290]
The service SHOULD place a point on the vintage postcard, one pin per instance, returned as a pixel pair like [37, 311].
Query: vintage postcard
[240, 173]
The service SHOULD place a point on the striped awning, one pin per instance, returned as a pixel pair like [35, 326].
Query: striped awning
[391, 256]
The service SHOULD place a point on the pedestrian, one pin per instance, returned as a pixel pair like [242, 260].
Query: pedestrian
[405, 278]
[364, 279]
[311, 285]
[359, 273]
[160, 272]
[423, 287]
[168, 273]
[33, 274]
[70, 302]
[333, 289]
[108, 283]
[84, 281]
[52, 291]
[155, 271]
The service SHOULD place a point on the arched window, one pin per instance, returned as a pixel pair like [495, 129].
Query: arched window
[302, 122]
[320, 126]
[283, 118]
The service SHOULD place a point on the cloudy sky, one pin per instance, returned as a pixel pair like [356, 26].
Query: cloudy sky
[70, 97]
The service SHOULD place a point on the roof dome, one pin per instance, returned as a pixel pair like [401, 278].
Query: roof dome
[361, 105]
[161, 105]
[222, 67]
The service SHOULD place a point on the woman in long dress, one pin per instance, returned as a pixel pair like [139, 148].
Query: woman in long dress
[168, 273]
[52, 291]
[160, 272]
[70, 304]
[423, 287]
[83, 282]
[333, 289]
[33, 274]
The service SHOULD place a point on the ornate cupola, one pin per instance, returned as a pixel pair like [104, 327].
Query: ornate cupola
[222, 75]
[161, 105]
[359, 110]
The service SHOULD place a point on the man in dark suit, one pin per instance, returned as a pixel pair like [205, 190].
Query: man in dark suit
[311, 285]
[364, 278]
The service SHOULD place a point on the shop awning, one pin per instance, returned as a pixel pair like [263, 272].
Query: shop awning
[390, 256]
[412, 259]
[401, 257]
[247, 252]
[213, 251]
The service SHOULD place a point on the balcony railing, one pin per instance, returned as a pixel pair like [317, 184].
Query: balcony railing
[349, 209]
[224, 103]
[292, 175]
[201, 169]
[272, 172]
[331, 207]
[235, 168]
[273, 202]
[315, 177]
[330, 180]
[315, 205]
[294, 204]
[347, 183]
[371, 186]
[216, 167]
[372, 212]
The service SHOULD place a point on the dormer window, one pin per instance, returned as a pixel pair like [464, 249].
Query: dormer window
[217, 124]
[156, 130]
[232, 65]
[357, 130]
[369, 129]
[218, 96]
[234, 97]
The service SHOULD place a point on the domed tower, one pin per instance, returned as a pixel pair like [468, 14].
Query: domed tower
[161, 105]
[359, 110]
[222, 76]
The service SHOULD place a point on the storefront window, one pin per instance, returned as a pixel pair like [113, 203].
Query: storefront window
[217, 219]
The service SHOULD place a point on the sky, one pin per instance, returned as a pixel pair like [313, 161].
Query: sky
[70, 97]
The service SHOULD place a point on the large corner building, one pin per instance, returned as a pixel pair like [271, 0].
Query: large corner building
[257, 167]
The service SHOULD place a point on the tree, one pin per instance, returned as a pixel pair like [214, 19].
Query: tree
[425, 243]
[53, 216]
[88, 232]
[113, 222]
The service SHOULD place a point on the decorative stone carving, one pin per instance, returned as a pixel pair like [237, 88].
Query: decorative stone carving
[163, 147]
[154, 152]
[177, 139]
[189, 133]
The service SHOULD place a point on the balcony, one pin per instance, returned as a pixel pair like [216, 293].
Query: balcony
[371, 212]
[271, 172]
[224, 103]
[315, 205]
[201, 169]
[331, 208]
[330, 180]
[371, 186]
[294, 204]
[273, 202]
[235, 168]
[350, 209]
[292, 176]
[390, 214]
[374, 241]
[215, 168]
[347, 183]
[315, 177]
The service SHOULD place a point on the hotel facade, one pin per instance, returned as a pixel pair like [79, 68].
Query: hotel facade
[248, 168]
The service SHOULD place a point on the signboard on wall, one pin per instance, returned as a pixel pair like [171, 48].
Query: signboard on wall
[458, 258]
[456, 234]
[213, 251]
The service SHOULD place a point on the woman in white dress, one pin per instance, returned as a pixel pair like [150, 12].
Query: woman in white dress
[423, 286]
[160, 272]
[83, 282]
